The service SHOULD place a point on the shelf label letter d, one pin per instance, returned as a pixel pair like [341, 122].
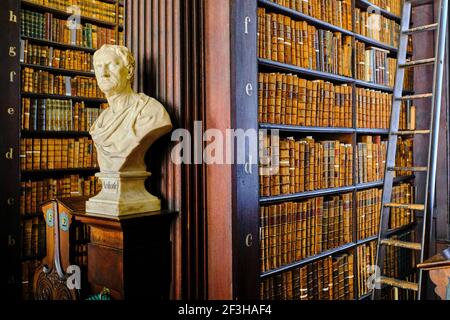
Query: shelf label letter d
[9, 154]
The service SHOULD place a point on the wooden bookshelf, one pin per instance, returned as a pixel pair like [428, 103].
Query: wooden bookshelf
[247, 205]
[330, 252]
[63, 14]
[40, 176]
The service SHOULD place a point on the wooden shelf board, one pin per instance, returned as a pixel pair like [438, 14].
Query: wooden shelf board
[365, 4]
[59, 70]
[58, 44]
[62, 97]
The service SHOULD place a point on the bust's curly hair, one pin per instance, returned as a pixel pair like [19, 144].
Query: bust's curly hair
[121, 51]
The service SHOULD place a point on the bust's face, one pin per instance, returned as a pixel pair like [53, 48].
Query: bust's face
[111, 73]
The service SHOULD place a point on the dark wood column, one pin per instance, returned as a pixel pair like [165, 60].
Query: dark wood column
[166, 39]
[10, 246]
[424, 44]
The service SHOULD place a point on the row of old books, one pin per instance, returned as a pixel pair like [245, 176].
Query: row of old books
[335, 12]
[292, 231]
[291, 166]
[81, 236]
[28, 269]
[368, 203]
[121, 15]
[373, 65]
[366, 254]
[33, 237]
[404, 155]
[34, 193]
[377, 27]
[371, 159]
[49, 154]
[393, 6]
[40, 81]
[399, 263]
[339, 13]
[330, 278]
[56, 58]
[407, 119]
[94, 9]
[288, 99]
[285, 40]
[46, 27]
[58, 115]
[373, 109]
[403, 193]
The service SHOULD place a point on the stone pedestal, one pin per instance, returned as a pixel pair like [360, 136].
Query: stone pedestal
[123, 193]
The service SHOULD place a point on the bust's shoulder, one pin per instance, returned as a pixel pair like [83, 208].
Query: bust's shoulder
[150, 105]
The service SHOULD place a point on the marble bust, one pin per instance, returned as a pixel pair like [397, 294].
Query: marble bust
[122, 135]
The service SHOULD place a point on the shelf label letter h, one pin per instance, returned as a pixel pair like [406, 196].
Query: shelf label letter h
[12, 16]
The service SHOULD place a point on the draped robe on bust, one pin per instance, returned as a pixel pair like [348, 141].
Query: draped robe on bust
[117, 134]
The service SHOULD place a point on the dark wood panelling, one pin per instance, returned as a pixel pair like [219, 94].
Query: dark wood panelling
[9, 147]
[244, 104]
[218, 116]
[423, 82]
[166, 39]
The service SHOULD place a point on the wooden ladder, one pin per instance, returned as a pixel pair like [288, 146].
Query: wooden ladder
[384, 239]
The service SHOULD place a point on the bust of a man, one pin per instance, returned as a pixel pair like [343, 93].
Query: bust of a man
[122, 135]
[124, 132]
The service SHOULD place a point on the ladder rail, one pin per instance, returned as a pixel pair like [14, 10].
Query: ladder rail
[431, 168]
[436, 101]
[392, 140]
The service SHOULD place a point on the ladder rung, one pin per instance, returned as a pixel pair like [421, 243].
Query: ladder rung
[427, 27]
[416, 169]
[399, 283]
[416, 96]
[417, 63]
[411, 206]
[409, 132]
[402, 244]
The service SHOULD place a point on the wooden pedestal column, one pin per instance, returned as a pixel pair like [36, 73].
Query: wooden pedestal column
[130, 256]
[438, 268]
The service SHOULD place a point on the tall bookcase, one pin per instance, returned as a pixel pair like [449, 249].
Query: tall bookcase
[247, 199]
[58, 99]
